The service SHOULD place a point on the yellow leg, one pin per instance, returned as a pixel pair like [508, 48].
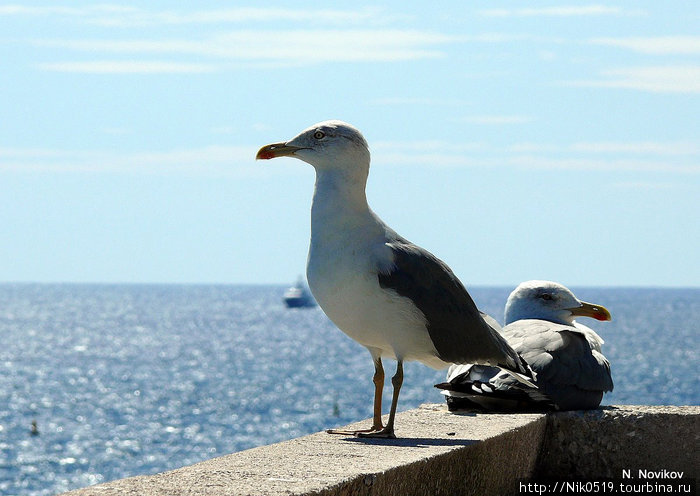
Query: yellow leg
[388, 430]
[378, 380]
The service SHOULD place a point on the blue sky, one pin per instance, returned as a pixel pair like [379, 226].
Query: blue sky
[515, 141]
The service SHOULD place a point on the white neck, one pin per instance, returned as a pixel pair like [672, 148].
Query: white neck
[523, 310]
[338, 200]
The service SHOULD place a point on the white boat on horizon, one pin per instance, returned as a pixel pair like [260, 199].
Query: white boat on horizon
[299, 296]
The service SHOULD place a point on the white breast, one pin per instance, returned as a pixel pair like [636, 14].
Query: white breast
[342, 274]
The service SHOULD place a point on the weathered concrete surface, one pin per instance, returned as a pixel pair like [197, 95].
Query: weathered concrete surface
[602, 443]
[443, 453]
[437, 453]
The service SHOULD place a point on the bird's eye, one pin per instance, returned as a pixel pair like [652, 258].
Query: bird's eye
[319, 135]
[546, 297]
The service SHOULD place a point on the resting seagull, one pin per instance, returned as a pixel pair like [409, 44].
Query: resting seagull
[572, 373]
[386, 293]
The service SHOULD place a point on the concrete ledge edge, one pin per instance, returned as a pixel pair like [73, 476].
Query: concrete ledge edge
[439, 452]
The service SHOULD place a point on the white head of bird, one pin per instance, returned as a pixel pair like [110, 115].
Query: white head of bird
[329, 146]
[547, 300]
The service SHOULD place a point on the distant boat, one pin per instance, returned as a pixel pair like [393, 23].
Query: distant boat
[299, 296]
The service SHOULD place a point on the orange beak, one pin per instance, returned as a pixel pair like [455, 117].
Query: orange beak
[597, 312]
[276, 150]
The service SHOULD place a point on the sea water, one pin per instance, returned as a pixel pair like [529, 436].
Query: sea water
[124, 380]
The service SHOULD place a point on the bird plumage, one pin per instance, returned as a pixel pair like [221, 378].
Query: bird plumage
[388, 294]
[571, 371]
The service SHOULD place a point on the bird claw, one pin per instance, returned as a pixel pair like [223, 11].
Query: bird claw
[358, 433]
[381, 434]
[340, 431]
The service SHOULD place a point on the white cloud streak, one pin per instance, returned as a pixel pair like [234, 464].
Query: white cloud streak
[558, 11]
[118, 16]
[655, 45]
[534, 162]
[656, 79]
[673, 148]
[495, 120]
[209, 160]
[674, 157]
[407, 101]
[224, 161]
[264, 47]
[644, 147]
[644, 186]
[607, 164]
[128, 67]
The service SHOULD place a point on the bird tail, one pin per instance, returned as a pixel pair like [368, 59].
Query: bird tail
[491, 389]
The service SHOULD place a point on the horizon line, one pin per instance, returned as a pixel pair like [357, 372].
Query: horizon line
[205, 283]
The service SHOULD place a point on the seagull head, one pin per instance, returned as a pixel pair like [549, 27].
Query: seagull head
[328, 145]
[546, 300]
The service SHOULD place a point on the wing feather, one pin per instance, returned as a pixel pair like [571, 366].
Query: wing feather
[456, 327]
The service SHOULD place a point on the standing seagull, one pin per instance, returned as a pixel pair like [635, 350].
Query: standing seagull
[572, 373]
[391, 296]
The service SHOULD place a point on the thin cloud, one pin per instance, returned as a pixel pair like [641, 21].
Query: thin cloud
[118, 16]
[128, 67]
[600, 164]
[408, 101]
[505, 38]
[644, 147]
[437, 158]
[300, 47]
[559, 11]
[209, 160]
[59, 10]
[673, 148]
[655, 45]
[528, 147]
[239, 16]
[645, 186]
[333, 45]
[656, 79]
[495, 120]
[532, 162]
[237, 161]
[578, 156]
[427, 146]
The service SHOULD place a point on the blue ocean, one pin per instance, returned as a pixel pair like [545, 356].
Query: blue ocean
[124, 380]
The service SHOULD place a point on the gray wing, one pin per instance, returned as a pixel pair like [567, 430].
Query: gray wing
[458, 331]
[568, 370]
[472, 386]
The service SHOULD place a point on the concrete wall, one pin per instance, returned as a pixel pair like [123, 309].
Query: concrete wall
[604, 442]
[440, 453]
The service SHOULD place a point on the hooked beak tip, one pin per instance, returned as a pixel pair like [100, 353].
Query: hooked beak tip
[275, 150]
